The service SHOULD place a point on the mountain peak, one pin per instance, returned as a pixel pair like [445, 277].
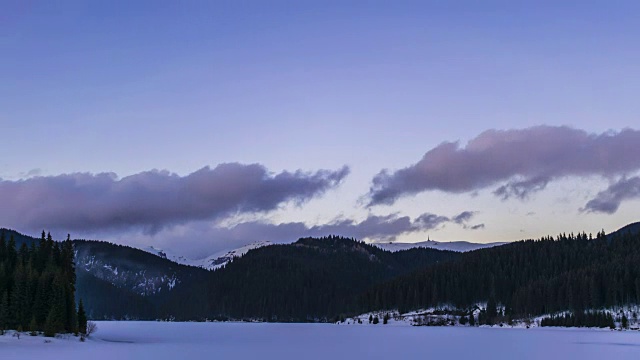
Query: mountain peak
[212, 262]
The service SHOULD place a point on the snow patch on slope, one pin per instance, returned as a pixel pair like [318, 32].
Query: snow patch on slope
[137, 281]
[211, 262]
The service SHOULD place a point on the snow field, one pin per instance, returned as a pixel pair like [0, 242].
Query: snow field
[163, 340]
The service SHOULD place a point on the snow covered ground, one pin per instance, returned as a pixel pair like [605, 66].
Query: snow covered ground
[158, 341]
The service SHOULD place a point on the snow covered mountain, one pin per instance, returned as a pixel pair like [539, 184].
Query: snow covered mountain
[459, 246]
[221, 258]
[211, 262]
[128, 268]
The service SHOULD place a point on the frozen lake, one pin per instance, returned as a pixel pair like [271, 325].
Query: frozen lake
[153, 340]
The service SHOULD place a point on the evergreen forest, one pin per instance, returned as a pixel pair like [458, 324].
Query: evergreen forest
[524, 279]
[571, 277]
[37, 286]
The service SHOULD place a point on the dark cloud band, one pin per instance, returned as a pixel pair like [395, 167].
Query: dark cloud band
[520, 162]
[154, 199]
[609, 200]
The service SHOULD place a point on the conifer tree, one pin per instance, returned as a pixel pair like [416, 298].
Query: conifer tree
[33, 326]
[3, 247]
[491, 311]
[82, 318]
[4, 311]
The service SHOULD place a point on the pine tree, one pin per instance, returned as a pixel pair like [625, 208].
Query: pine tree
[33, 326]
[492, 312]
[56, 318]
[18, 297]
[11, 255]
[4, 311]
[3, 247]
[625, 322]
[82, 318]
[42, 302]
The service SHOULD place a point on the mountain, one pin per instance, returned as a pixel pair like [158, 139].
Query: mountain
[526, 278]
[18, 238]
[212, 262]
[138, 280]
[118, 281]
[458, 246]
[312, 279]
[633, 228]
[104, 300]
[319, 279]
[221, 258]
[129, 268]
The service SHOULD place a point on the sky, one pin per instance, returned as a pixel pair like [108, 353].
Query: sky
[197, 126]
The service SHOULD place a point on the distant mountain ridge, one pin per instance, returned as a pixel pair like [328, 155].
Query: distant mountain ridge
[212, 262]
[632, 228]
[457, 246]
[312, 279]
[259, 280]
[221, 258]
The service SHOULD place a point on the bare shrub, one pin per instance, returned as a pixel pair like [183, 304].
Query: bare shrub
[91, 328]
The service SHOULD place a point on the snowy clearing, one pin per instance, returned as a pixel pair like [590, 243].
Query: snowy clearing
[160, 340]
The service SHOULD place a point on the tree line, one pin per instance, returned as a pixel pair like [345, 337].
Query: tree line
[37, 287]
[331, 278]
[313, 279]
[527, 278]
[324, 279]
[599, 319]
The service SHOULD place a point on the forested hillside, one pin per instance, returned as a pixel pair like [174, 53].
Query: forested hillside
[37, 285]
[19, 238]
[120, 282]
[319, 279]
[570, 272]
[310, 280]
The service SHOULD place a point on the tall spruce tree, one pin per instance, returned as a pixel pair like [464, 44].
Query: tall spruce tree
[82, 318]
[4, 311]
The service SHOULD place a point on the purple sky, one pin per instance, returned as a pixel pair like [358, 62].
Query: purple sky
[200, 126]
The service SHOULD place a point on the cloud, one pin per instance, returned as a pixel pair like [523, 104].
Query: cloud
[202, 239]
[477, 227]
[463, 217]
[521, 189]
[609, 200]
[155, 199]
[385, 228]
[519, 162]
[32, 173]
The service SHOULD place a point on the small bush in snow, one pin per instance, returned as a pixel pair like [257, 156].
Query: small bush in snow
[91, 328]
